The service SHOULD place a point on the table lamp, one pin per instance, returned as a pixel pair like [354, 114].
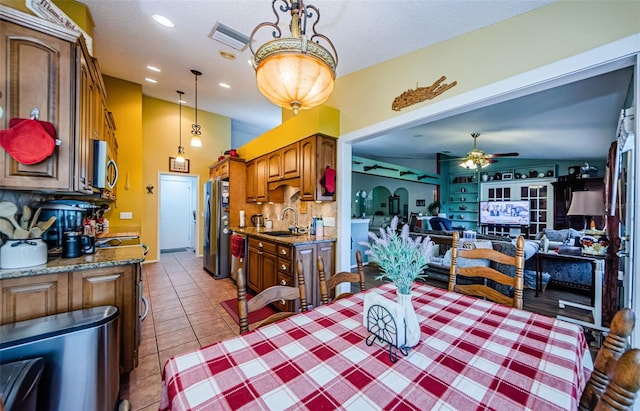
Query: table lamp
[587, 204]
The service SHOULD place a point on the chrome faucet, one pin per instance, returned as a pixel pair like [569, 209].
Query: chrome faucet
[295, 215]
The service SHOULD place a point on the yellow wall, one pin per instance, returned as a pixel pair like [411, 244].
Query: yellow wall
[160, 139]
[16, 4]
[482, 57]
[124, 100]
[322, 119]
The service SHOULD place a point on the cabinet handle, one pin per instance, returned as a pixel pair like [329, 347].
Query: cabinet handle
[283, 282]
[260, 245]
[283, 302]
[283, 267]
[283, 252]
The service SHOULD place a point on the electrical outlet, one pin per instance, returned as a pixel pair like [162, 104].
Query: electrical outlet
[329, 221]
[126, 215]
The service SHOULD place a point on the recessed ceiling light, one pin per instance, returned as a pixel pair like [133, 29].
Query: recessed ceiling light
[150, 80]
[154, 68]
[163, 20]
[227, 54]
[224, 85]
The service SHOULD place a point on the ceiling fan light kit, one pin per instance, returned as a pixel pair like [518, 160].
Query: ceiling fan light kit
[295, 72]
[477, 158]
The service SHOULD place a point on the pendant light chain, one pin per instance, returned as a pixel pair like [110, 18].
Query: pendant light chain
[180, 156]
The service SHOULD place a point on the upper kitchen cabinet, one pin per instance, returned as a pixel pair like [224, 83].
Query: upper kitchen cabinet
[49, 71]
[317, 166]
[284, 164]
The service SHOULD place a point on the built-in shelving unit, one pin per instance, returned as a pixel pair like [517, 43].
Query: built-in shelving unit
[463, 200]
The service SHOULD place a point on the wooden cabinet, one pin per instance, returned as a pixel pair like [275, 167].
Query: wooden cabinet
[251, 181]
[40, 74]
[316, 154]
[220, 169]
[49, 69]
[562, 192]
[463, 200]
[36, 296]
[262, 265]
[284, 164]
[272, 263]
[31, 297]
[257, 170]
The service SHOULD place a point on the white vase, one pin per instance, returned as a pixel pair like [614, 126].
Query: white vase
[412, 326]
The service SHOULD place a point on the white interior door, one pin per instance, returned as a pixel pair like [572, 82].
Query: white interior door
[176, 212]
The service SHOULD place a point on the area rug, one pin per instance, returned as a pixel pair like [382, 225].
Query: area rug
[231, 306]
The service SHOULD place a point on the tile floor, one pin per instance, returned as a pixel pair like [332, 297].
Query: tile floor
[184, 315]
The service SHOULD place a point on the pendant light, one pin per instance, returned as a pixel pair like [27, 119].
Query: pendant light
[196, 141]
[180, 156]
[295, 72]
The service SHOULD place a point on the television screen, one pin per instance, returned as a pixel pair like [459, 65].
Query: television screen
[504, 212]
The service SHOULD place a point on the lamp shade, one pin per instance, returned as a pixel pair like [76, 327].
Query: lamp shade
[586, 203]
[293, 79]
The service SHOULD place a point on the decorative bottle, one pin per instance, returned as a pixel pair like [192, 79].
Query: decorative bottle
[545, 243]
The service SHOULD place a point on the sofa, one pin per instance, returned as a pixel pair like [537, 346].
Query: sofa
[376, 222]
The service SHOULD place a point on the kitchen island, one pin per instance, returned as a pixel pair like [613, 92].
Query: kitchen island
[111, 276]
[271, 260]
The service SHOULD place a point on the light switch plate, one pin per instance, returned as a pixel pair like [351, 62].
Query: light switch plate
[126, 215]
[329, 221]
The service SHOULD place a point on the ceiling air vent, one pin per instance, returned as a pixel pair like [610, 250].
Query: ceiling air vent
[226, 35]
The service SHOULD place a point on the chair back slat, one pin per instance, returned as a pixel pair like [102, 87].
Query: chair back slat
[270, 295]
[488, 273]
[614, 345]
[326, 286]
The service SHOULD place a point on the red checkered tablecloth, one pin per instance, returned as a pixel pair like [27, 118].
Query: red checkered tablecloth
[472, 355]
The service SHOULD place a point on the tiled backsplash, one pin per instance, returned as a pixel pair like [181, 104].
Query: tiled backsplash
[274, 211]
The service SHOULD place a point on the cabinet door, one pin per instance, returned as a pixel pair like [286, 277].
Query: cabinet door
[87, 119]
[307, 169]
[308, 255]
[117, 286]
[269, 270]
[274, 166]
[251, 181]
[326, 157]
[290, 161]
[253, 270]
[32, 297]
[261, 179]
[40, 73]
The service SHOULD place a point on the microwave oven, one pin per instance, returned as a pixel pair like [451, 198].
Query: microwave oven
[105, 170]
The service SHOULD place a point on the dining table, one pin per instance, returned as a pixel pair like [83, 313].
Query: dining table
[473, 354]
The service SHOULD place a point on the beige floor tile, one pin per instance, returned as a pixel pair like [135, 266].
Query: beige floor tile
[165, 315]
[171, 325]
[147, 365]
[206, 329]
[176, 338]
[145, 391]
[221, 334]
[203, 316]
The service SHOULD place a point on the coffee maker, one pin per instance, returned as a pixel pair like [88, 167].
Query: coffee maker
[70, 216]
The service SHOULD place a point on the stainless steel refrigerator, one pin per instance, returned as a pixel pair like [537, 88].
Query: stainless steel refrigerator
[217, 236]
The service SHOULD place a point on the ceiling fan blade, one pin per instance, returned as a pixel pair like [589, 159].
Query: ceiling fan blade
[503, 155]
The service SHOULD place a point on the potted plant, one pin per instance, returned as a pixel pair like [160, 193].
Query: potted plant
[434, 208]
[401, 260]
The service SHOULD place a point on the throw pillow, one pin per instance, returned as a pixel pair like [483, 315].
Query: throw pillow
[556, 235]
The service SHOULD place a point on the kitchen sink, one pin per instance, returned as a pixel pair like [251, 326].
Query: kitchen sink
[281, 233]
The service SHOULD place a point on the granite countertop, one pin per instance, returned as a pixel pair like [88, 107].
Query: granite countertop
[293, 240]
[104, 257]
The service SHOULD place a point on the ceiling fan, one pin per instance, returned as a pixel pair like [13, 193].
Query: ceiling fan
[478, 158]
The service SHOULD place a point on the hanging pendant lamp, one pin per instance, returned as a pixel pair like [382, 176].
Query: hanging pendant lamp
[196, 141]
[295, 72]
[180, 156]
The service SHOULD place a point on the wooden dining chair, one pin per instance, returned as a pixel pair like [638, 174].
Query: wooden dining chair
[614, 346]
[488, 273]
[620, 393]
[343, 277]
[268, 296]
